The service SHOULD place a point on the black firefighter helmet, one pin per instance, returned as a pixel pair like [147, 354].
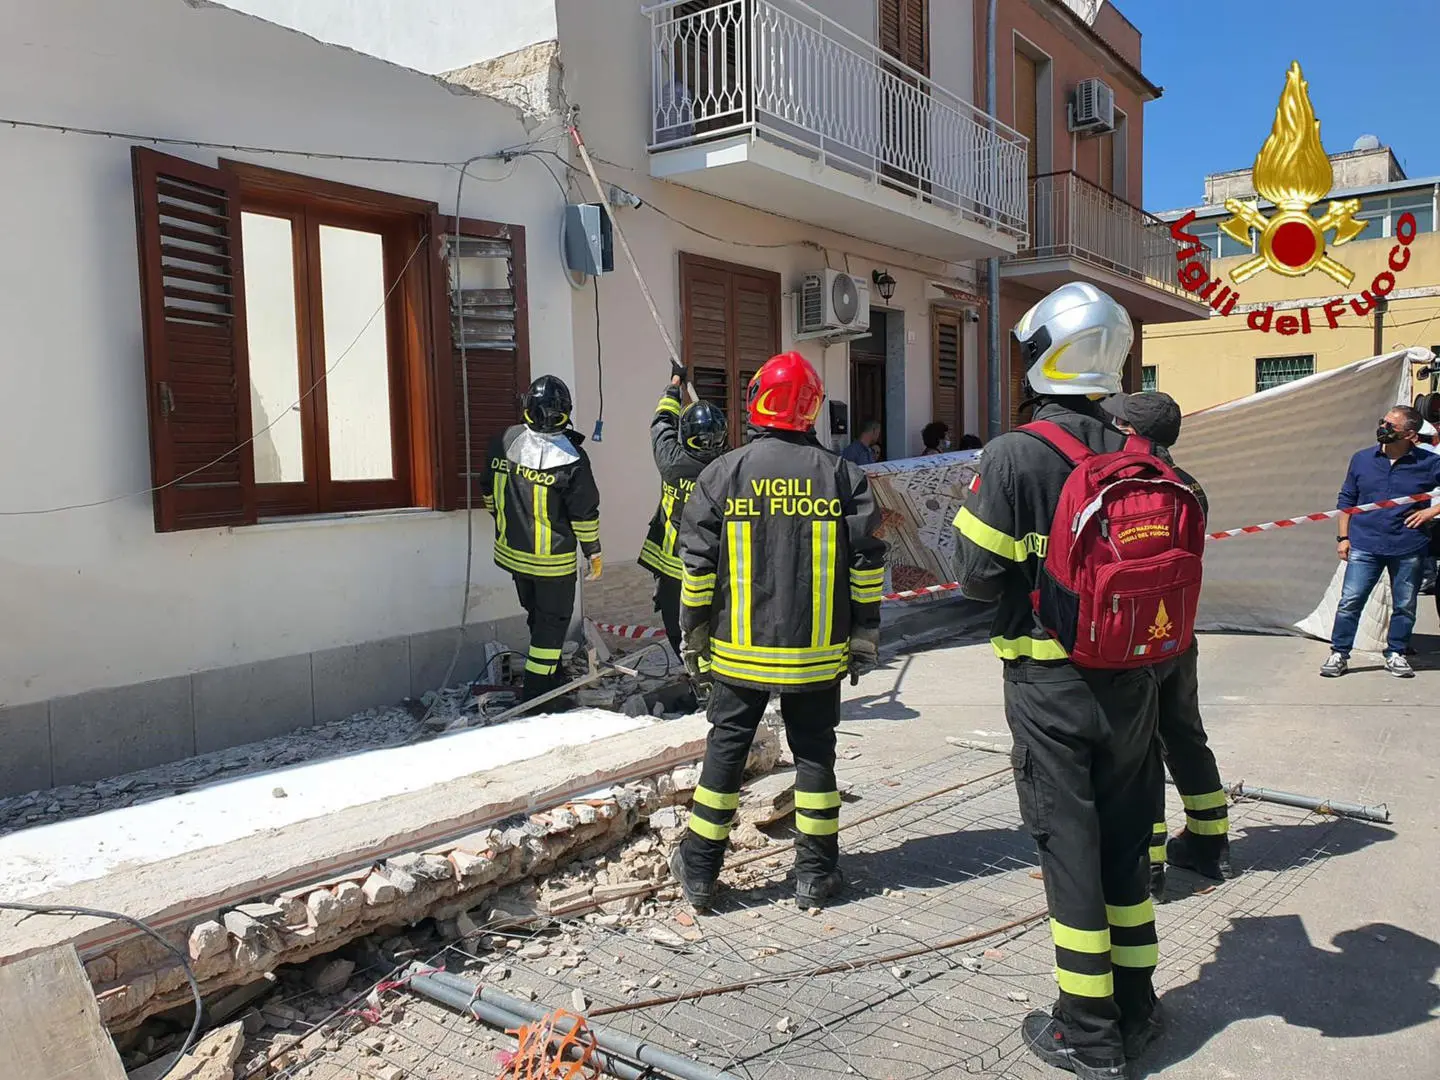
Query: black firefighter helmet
[547, 405]
[703, 430]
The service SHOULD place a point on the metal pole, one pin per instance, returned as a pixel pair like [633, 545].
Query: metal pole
[617, 1043]
[992, 266]
[454, 998]
[1380, 814]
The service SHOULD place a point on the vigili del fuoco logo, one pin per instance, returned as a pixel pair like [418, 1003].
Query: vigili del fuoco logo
[1292, 172]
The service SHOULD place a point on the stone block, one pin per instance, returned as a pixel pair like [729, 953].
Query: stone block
[245, 704]
[379, 890]
[351, 899]
[323, 907]
[430, 656]
[101, 970]
[109, 732]
[208, 939]
[358, 677]
[25, 733]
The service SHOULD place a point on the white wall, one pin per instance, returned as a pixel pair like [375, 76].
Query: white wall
[432, 36]
[95, 597]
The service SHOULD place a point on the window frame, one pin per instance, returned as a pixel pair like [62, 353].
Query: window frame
[1310, 357]
[1149, 373]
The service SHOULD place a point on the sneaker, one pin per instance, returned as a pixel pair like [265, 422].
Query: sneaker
[1157, 881]
[1043, 1037]
[1139, 1036]
[700, 894]
[1186, 852]
[1336, 666]
[1397, 665]
[812, 892]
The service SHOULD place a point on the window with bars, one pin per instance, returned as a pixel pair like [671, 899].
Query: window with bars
[300, 349]
[1149, 378]
[1278, 370]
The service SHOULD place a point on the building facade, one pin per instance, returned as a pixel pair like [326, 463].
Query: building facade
[1085, 173]
[1325, 324]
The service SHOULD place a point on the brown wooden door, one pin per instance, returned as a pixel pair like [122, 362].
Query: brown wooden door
[731, 327]
[867, 392]
[947, 371]
[1019, 388]
[1027, 106]
[1105, 173]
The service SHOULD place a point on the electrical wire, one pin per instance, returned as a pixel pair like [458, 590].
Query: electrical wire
[385, 300]
[114, 916]
[599, 358]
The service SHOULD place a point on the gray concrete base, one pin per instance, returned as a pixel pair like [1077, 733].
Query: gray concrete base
[102, 733]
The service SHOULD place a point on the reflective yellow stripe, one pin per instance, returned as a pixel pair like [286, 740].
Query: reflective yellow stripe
[497, 496]
[866, 596]
[1159, 829]
[998, 543]
[715, 800]
[817, 800]
[544, 654]
[696, 590]
[523, 562]
[487, 502]
[738, 556]
[1213, 801]
[708, 829]
[1131, 914]
[585, 531]
[1207, 828]
[1091, 986]
[540, 506]
[1157, 853]
[1084, 941]
[778, 676]
[1135, 956]
[813, 826]
[653, 557]
[1034, 648]
[667, 504]
[868, 577]
[536, 667]
[668, 404]
[822, 582]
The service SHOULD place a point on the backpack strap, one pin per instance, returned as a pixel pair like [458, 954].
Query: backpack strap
[1138, 444]
[1058, 439]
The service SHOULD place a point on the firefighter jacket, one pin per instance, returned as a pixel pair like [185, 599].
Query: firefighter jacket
[678, 471]
[542, 492]
[1004, 525]
[780, 558]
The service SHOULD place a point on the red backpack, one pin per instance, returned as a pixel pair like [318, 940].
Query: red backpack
[1121, 577]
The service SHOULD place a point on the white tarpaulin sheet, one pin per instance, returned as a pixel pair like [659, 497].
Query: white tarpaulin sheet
[1280, 454]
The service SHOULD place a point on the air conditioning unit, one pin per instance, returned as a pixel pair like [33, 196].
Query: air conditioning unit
[1092, 109]
[833, 302]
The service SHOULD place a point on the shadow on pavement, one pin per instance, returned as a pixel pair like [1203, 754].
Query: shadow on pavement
[1373, 980]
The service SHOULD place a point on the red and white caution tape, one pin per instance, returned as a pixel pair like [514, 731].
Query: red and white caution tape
[635, 633]
[915, 594]
[1285, 523]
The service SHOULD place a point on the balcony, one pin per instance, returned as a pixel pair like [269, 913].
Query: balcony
[1079, 230]
[775, 106]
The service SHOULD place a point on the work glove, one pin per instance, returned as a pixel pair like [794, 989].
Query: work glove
[677, 373]
[596, 566]
[864, 652]
[695, 649]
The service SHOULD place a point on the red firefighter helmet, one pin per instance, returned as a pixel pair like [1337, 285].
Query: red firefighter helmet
[785, 393]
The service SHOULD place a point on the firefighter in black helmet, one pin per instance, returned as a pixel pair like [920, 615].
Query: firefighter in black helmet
[539, 485]
[684, 440]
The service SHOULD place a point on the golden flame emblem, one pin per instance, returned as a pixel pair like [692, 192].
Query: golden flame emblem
[1162, 625]
[1293, 172]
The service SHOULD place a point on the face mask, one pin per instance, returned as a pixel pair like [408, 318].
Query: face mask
[1386, 433]
[944, 444]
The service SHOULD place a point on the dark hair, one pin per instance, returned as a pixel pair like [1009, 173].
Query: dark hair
[870, 425]
[970, 442]
[1412, 416]
[932, 433]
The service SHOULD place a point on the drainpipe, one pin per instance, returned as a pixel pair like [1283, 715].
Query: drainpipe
[1379, 344]
[992, 267]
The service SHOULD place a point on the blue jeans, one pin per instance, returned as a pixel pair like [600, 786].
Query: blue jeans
[1362, 572]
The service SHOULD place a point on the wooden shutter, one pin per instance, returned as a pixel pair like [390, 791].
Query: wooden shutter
[905, 32]
[731, 327]
[1105, 147]
[494, 365]
[197, 378]
[948, 370]
[1019, 388]
[1027, 105]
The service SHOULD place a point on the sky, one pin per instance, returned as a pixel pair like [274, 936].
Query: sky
[1222, 63]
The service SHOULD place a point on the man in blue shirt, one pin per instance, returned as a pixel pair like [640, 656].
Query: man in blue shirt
[1384, 540]
[862, 450]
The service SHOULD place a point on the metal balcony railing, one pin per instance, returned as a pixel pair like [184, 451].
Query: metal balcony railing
[1072, 218]
[781, 71]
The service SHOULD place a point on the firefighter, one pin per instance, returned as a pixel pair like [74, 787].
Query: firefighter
[1085, 755]
[1203, 846]
[538, 484]
[684, 441]
[782, 576]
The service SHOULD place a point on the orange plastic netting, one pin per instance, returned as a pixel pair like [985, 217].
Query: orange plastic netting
[560, 1047]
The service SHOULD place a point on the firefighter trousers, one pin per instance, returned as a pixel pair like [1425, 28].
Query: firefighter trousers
[667, 603]
[1190, 760]
[810, 720]
[1086, 762]
[548, 604]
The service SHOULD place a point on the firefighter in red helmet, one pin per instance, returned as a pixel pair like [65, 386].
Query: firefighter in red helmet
[780, 593]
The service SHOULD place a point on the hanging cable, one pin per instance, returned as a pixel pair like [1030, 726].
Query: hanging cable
[599, 361]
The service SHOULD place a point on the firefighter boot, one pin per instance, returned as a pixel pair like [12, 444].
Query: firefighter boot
[1044, 1037]
[1139, 1036]
[1157, 881]
[700, 894]
[811, 891]
[1193, 853]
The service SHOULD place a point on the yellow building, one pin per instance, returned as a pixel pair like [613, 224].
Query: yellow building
[1280, 328]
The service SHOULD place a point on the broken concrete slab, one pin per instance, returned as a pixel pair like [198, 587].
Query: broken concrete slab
[768, 799]
[52, 1025]
[212, 1058]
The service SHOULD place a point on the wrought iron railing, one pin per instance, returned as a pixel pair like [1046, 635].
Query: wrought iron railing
[1072, 218]
[781, 71]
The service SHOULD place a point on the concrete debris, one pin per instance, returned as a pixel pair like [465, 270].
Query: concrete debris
[1018, 996]
[666, 938]
[747, 837]
[207, 939]
[212, 1058]
[534, 952]
[578, 1001]
[768, 799]
[783, 1025]
[281, 1016]
[330, 977]
[239, 999]
[970, 963]
[635, 706]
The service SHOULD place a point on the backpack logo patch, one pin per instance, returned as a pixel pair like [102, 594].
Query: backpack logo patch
[1163, 625]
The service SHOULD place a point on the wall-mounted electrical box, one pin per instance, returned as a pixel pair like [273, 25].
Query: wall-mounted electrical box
[589, 242]
[839, 418]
